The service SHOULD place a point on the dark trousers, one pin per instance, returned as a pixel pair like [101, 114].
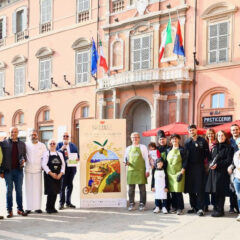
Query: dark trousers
[51, 199]
[208, 201]
[197, 200]
[131, 193]
[14, 177]
[220, 200]
[177, 200]
[161, 203]
[67, 185]
[233, 201]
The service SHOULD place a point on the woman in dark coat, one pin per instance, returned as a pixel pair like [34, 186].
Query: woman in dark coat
[218, 178]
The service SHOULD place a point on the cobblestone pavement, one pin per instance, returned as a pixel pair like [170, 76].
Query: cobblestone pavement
[114, 224]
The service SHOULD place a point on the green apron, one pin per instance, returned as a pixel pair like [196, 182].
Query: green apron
[173, 169]
[136, 168]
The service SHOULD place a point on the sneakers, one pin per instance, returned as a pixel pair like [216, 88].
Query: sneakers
[200, 213]
[164, 210]
[180, 212]
[141, 207]
[238, 218]
[156, 210]
[131, 207]
[71, 206]
[22, 213]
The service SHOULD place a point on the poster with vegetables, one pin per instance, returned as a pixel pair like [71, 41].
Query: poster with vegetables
[102, 171]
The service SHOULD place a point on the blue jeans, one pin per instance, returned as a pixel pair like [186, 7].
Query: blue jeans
[236, 183]
[14, 176]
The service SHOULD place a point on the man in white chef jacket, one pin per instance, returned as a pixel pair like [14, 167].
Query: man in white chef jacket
[33, 173]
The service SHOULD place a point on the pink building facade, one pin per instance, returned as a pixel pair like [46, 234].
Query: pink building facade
[45, 61]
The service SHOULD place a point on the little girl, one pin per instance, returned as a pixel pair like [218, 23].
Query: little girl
[153, 154]
[160, 186]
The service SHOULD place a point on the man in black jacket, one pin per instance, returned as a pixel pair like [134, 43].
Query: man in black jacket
[14, 156]
[197, 151]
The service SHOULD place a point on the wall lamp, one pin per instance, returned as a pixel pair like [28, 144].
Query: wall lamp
[65, 79]
[4, 90]
[29, 85]
[53, 83]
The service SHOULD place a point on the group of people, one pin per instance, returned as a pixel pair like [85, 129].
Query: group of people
[19, 159]
[208, 169]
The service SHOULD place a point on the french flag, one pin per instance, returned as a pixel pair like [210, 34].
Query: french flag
[178, 45]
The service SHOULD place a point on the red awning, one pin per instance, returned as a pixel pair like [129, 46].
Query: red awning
[178, 128]
[226, 126]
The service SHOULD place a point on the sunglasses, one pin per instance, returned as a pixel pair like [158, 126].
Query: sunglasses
[65, 136]
[53, 144]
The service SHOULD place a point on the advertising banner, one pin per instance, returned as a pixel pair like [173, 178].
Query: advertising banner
[102, 171]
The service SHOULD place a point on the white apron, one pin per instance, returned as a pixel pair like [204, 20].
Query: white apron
[160, 184]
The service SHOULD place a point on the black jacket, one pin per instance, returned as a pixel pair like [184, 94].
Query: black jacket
[7, 154]
[218, 180]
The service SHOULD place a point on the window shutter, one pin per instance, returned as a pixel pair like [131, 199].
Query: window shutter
[136, 53]
[24, 19]
[4, 26]
[14, 22]
[223, 41]
[83, 5]
[82, 66]
[1, 83]
[146, 49]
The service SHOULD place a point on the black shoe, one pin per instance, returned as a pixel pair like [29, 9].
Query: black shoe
[231, 210]
[71, 205]
[217, 214]
[28, 211]
[1, 217]
[55, 210]
[10, 214]
[38, 211]
[61, 207]
[191, 210]
[49, 211]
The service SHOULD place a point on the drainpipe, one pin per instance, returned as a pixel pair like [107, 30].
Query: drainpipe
[195, 62]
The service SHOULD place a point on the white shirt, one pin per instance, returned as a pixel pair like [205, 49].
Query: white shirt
[45, 161]
[236, 161]
[34, 156]
[144, 152]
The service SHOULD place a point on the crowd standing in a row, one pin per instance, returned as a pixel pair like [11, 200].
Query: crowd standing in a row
[15, 154]
[203, 168]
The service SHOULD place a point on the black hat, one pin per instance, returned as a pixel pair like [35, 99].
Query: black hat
[161, 134]
[192, 126]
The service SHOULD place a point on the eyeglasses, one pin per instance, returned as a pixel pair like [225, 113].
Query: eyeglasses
[52, 143]
[65, 136]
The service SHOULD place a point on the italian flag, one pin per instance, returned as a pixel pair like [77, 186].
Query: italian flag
[103, 62]
[167, 38]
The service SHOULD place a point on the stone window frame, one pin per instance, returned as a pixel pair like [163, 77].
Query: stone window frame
[117, 39]
[17, 117]
[88, 12]
[81, 45]
[217, 13]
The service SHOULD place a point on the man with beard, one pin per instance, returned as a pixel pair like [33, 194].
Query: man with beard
[197, 151]
[33, 173]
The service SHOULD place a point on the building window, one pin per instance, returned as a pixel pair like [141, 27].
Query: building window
[46, 16]
[46, 115]
[218, 42]
[82, 66]
[141, 52]
[46, 133]
[19, 24]
[1, 120]
[45, 74]
[83, 7]
[218, 100]
[2, 83]
[3, 32]
[19, 80]
[85, 112]
[21, 118]
[117, 5]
